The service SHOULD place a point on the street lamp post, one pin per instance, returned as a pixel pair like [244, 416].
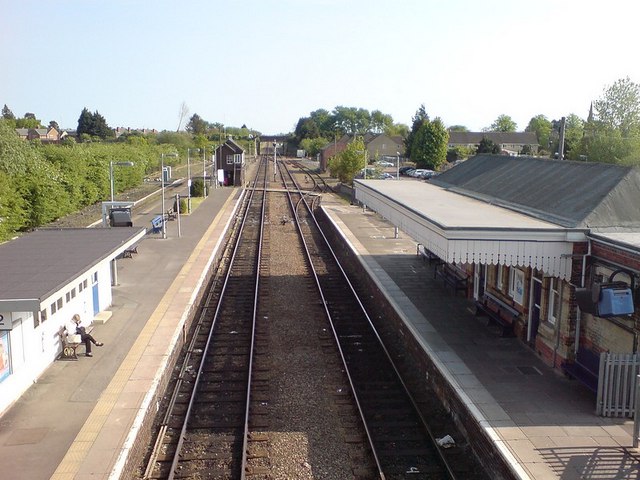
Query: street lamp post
[397, 165]
[119, 164]
[163, 213]
[204, 172]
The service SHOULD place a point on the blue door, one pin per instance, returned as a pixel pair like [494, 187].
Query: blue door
[96, 302]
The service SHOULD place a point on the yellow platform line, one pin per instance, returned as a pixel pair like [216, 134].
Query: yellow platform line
[69, 467]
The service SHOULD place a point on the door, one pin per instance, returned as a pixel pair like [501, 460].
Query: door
[96, 297]
[536, 309]
[478, 280]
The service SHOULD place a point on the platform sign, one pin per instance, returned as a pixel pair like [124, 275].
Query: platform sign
[5, 363]
[5, 321]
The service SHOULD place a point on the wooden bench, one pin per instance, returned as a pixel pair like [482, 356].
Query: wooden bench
[427, 255]
[498, 312]
[70, 343]
[451, 276]
[585, 368]
[156, 224]
[129, 252]
[171, 215]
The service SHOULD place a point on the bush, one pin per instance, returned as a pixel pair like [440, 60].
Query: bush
[183, 206]
[197, 188]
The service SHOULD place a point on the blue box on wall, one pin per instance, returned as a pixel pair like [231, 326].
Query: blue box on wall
[615, 301]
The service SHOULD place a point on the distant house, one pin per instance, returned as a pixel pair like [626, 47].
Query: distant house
[230, 160]
[45, 135]
[379, 146]
[118, 131]
[509, 142]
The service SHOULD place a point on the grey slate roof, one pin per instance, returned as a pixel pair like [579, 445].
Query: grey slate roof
[473, 138]
[41, 262]
[570, 194]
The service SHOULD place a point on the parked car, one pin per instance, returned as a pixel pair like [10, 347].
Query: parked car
[417, 173]
[426, 174]
[384, 163]
[404, 169]
[408, 171]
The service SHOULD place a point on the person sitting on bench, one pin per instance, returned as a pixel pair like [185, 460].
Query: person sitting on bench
[75, 326]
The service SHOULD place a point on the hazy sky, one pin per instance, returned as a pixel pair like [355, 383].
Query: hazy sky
[267, 63]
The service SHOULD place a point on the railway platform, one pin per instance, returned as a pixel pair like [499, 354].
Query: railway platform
[542, 423]
[76, 421]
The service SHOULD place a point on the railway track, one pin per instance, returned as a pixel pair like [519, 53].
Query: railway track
[203, 433]
[400, 439]
[242, 401]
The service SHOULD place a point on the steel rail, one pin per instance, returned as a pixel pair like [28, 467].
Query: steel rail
[183, 431]
[331, 323]
[375, 332]
[243, 468]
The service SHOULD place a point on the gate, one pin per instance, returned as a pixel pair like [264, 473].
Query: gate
[617, 384]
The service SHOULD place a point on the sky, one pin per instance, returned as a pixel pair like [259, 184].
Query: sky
[265, 64]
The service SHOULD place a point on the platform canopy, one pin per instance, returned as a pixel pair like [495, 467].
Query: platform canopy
[461, 229]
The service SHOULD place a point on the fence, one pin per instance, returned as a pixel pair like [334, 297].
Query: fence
[617, 384]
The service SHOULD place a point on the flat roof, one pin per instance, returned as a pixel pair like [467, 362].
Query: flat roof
[625, 239]
[42, 262]
[453, 210]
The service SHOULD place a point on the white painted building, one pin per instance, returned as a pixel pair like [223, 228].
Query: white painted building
[46, 277]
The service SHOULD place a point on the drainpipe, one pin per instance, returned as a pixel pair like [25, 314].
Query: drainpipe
[576, 343]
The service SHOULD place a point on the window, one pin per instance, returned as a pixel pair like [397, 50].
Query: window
[68, 297]
[499, 280]
[229, 159]
[516, 285]
[80, 287]
[43, 315]
[73, 293]
[84, 284]
[94, 278]
[53, 308]
[60, 303]
[554, 301]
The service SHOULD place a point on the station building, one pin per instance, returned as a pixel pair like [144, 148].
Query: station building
[48, 276]
[535, 243]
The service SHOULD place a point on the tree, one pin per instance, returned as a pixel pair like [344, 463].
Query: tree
[458, 128]
[54, 124]
[619, 107]
[93, 125]
[28, 121]
[429, 149]
[504, 123]
[573, 133]
[7, 114]
[487, 146]
[313, 145]
[418, 120]
[350, 161]
[196, 125]
[380, 122]
[307, 128]
[182, 114]
[351, 120]
[542, 127]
